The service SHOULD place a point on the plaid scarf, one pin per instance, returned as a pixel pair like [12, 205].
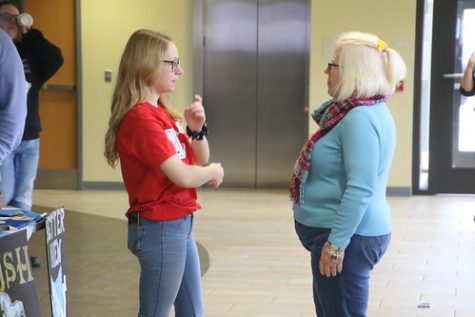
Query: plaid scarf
[327, 116]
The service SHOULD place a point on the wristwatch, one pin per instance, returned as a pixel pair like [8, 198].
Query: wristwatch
[197, 135]
[334, 251]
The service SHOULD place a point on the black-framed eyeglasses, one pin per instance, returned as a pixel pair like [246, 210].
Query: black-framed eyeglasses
[9, 17]
[331, 64]
[175, 62]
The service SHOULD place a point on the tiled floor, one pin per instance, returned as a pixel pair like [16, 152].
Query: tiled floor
[257, 267]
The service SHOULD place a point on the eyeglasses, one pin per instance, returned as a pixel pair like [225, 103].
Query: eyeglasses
[9, 18]
[331, 64]
[175, 62]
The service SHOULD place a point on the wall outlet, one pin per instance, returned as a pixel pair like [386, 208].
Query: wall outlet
[108, 75]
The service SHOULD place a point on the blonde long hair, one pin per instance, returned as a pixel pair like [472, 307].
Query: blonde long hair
[367, 66]
[138, 68]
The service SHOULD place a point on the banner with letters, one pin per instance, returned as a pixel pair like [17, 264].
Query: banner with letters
[56, 261]
[17, 286]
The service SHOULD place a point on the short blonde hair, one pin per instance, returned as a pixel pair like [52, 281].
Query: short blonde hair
[367, 66]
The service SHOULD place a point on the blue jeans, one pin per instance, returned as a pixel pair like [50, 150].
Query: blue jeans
[18, 174]
[345, 295]
[169, 267]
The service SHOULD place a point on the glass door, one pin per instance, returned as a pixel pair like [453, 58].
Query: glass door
[452, 116]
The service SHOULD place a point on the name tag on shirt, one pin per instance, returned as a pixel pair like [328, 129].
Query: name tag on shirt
[173, 137]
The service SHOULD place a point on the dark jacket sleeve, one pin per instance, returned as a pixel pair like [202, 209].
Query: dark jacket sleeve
[468, 93]
[48, 57]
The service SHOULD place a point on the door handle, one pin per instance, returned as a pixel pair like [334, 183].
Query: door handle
[453, 75]
[59, 87]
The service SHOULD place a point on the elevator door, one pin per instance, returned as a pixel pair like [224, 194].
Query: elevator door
[255, 87]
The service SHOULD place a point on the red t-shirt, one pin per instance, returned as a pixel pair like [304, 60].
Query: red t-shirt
[146, 138]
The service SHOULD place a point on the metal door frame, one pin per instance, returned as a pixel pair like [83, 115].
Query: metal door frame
[440, 140]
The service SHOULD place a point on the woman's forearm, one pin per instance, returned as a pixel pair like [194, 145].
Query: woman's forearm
[467, 79]
[201, 151]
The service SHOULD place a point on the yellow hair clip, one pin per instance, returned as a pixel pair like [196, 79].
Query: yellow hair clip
[381, 45]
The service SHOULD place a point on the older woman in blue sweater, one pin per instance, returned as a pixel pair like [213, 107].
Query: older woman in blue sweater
[338, 185]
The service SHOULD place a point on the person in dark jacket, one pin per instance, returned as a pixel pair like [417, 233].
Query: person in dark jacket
[41, 59]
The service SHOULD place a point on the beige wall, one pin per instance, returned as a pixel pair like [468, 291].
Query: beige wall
[107, 24]
[105, 27]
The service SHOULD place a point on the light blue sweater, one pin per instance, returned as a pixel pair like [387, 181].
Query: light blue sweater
[12, 96]
[346, 186]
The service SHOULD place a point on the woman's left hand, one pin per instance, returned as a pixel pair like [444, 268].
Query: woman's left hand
[195, 114]
[328, 266]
